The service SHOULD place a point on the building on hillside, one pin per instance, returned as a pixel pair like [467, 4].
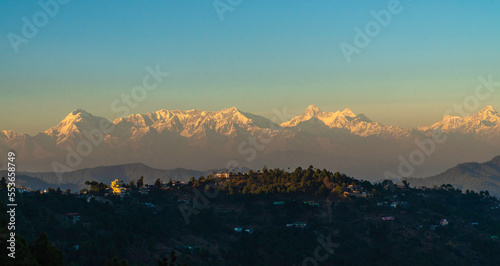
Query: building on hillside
[443, 222]
[74, 217]
[297, 224]
[176, 183]
[311, 203]
[98, 198]
[184, 199]
[354, 187]
[222, 175]
[353, 194]
[143, 190]
[186, 247]
[367, 195]
[117, 187]
[148, 204]
[24, 190]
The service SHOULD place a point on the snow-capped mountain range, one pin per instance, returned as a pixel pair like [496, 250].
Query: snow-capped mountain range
[196, 139]
[356, 124]
[485, 123]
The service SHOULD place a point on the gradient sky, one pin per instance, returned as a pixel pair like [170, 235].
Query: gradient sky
[264, 55]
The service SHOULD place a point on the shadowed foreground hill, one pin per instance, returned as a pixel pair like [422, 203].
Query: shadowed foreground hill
[304, 217]
[467, 176]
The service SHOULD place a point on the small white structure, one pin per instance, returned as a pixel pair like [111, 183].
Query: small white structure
[297, 224]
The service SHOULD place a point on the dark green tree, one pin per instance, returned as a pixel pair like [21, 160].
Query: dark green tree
[116, 262]
[45, 253]
[140, 182]
[157, 183]
[164, 261]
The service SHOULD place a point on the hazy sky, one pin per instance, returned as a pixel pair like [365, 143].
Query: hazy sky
[263, 55]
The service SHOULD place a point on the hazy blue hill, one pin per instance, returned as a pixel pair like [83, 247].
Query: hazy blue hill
[37, 183]
[472, 176]
[106, 174]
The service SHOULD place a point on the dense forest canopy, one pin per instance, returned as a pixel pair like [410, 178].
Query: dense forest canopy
[266, 217]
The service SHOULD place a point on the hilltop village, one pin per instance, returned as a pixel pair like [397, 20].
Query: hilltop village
[265, 217]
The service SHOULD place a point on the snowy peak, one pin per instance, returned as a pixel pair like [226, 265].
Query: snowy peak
[191, 123]
[78, 115]
[336, 119]
[484, 122]
[79, 111]
[231, 122]
[196, 137]
[230, 110]
[135, 120]
[488, 114]
[488, 109]
[73, 124]
[232, 115]
[312, 110]
[357, 124]
[7, 134]
[347, 112]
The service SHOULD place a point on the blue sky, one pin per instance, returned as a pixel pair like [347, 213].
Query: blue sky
[264, 55]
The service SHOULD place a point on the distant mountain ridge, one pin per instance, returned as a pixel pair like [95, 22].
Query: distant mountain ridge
[196, 139]
[472, 176]
[106, 174]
